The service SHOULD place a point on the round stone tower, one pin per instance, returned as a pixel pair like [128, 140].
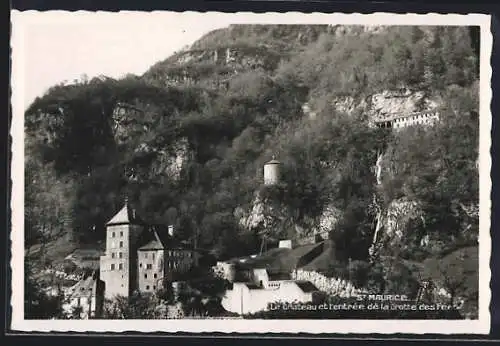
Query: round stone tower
[272, 172]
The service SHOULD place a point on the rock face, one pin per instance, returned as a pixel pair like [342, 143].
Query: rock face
[165, 162]
[400, 102]
[252, 218]
[387, 102]
[125, 117]
[212, 68]
[348, 104]
[262, 215]
[328, 220]
[393, 224]
[400, 214]
[131, 122]
[48, 125]
[171, 162]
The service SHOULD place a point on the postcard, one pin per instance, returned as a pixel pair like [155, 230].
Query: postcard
[251, 173]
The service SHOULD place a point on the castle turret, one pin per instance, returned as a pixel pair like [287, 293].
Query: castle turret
[272, 172]
[118, 265]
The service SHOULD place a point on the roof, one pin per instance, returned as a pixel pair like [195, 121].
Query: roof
[394, 116]
[306, 286]
[84, 287]
[273, 162]
[259, 261]
[152, 245]
[290, 260]
[85, 253]
[125, 216]
[160, 239]
[279, 276]
[253, 286]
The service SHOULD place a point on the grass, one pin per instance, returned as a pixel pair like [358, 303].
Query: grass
[54, 251]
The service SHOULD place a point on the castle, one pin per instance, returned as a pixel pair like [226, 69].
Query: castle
[138, 258]
[141, 257]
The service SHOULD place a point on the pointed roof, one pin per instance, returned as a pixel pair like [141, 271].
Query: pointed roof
[273, 161]
[124, 217]
[158, 238]
[154, 244]
[84, 287]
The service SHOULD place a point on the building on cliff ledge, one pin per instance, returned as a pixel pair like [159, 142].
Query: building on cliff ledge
[141, 257]
[398, 121]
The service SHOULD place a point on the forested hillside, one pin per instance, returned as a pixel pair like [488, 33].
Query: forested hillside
[209, 117]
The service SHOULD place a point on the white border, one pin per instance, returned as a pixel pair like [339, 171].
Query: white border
[480, 326]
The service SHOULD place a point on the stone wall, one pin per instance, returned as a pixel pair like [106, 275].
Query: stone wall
[331, 286]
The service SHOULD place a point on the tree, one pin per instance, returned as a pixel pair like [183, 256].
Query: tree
[76, 312]
[37, 303]
[137, 306]
[457, 273]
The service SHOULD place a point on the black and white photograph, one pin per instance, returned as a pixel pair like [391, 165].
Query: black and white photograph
[281, 172]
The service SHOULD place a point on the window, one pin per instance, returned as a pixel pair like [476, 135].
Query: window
[140, 265]
[153, 255]
[154, 287]
[149, 266]
[112, 255]
[145, 276]
[147, 287]
[112, 266]
[121, 244]
[120, 255]
[120, 266]
[113, 235]
[155, 276]
[121, 233]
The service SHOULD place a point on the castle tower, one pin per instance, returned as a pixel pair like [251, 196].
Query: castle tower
[272, 172]
[118, 266]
